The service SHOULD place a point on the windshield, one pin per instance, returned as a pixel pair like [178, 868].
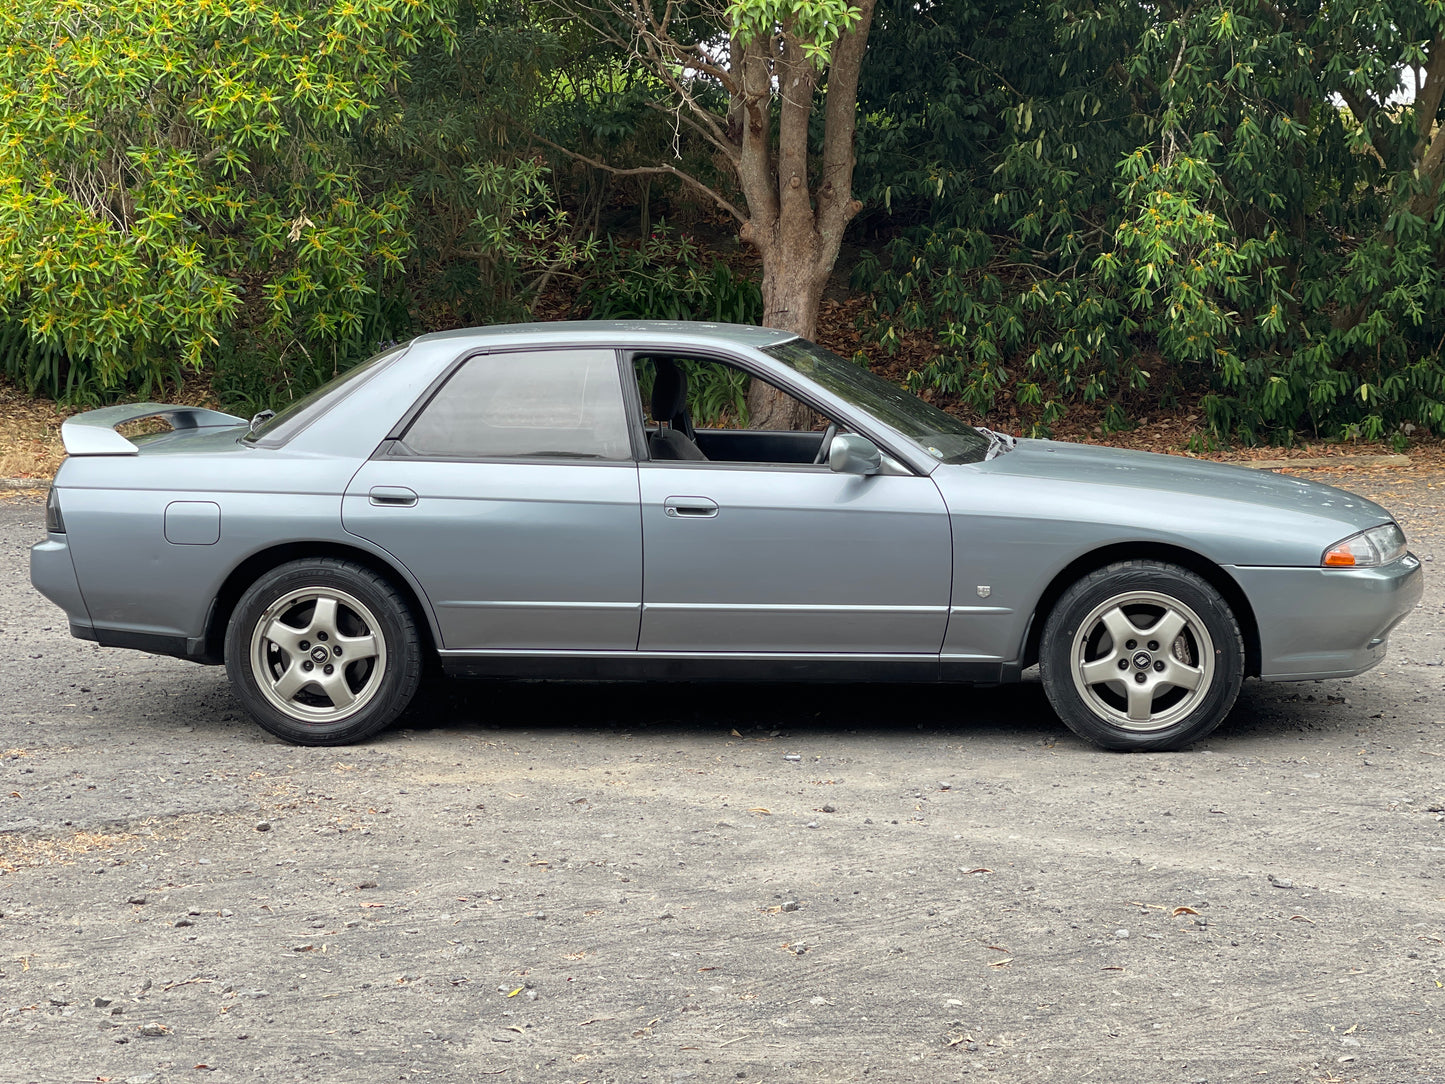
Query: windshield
[942, 436]
[300, 413]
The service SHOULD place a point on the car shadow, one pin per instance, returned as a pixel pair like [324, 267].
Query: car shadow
[1018, 712]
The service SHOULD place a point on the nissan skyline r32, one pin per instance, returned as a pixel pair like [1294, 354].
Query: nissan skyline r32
[585, 501]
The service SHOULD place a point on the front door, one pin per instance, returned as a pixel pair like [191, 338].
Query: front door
[800, 559]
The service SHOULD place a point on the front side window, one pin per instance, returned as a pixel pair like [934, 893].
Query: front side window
[551, 403]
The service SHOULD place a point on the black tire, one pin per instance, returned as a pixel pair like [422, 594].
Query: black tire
[323, 652]
[1168, 678]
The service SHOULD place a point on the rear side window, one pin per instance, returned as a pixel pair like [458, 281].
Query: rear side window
[543, 404]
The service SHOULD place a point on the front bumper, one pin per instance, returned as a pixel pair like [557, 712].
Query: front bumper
[1327, 622]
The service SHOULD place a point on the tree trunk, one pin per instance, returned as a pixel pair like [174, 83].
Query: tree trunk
[798, 202]
[792, 290]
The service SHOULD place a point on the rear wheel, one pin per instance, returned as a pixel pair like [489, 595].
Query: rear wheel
[1142, 655]
[323, 652]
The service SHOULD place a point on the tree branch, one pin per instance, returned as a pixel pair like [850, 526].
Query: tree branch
[721, 144]
[1364, 111]
[836, 205]
[1427, 102]
[640, 171]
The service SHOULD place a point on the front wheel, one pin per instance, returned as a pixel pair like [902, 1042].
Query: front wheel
[323, 652]
[1141, 656]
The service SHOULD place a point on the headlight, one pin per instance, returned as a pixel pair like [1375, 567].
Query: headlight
[1377, 546]
[53, 522]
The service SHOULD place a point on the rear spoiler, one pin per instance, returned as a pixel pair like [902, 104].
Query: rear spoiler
[93, 433]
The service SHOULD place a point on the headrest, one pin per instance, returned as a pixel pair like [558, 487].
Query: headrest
[669, 392]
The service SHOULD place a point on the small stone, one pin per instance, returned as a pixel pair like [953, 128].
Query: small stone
[1280, 882]
[263, 826]
[1122, 935]
[225, 913]
[137, 900]
[794, 757]
[790, 905]
[117, 1010]
[829, 809]
[812, 824]
[100, 1002]
[530, 995]
[153, 1030]
[945, 786]
[194, 911]
[183, 921]
[59, 1001]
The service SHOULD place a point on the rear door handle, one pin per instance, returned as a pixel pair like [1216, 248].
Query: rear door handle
[689, 507]
[393, 496]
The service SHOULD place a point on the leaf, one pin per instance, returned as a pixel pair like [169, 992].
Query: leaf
[978, 869]
[517, 991]
[1183, 911]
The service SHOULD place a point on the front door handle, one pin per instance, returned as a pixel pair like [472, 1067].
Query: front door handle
[689, 507]
[393, 496]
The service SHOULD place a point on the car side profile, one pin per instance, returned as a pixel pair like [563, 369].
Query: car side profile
[586, 501]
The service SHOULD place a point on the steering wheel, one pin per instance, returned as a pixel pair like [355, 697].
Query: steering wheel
[826, 445]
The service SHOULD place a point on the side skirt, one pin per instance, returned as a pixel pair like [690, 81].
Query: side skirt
[718, 666]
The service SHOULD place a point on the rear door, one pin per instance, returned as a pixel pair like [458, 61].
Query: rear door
[513, 499]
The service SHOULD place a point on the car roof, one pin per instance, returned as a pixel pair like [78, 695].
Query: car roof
[641, 333]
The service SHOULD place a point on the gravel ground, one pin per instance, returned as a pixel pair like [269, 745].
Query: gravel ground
[679, 883]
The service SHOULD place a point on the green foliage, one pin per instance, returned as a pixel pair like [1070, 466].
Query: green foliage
[1121, 202]
[252, 373]
[487, 226]
[816, 24]
[664, 278]
[170, 166]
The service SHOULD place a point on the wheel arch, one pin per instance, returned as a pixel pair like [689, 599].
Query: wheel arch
[1094, 560]
[261, 562]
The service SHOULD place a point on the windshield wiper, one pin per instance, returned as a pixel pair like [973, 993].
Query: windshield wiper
[259, 419]
[998, 443]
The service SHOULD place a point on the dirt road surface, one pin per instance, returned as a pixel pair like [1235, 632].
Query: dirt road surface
[626, 884]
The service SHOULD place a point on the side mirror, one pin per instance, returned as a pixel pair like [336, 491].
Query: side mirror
[853, 454]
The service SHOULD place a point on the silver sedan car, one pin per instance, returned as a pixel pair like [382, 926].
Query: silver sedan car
[586, 501]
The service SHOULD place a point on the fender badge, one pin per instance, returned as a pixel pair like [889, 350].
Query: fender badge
[984, 590]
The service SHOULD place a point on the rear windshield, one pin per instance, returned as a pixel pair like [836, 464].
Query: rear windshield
[300, 413]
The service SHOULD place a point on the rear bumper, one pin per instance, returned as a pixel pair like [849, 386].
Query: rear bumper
[52, 572]
[1327, 622]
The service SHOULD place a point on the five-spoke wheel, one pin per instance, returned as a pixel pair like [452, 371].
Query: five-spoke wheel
[1142, 655]
[323, 652]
